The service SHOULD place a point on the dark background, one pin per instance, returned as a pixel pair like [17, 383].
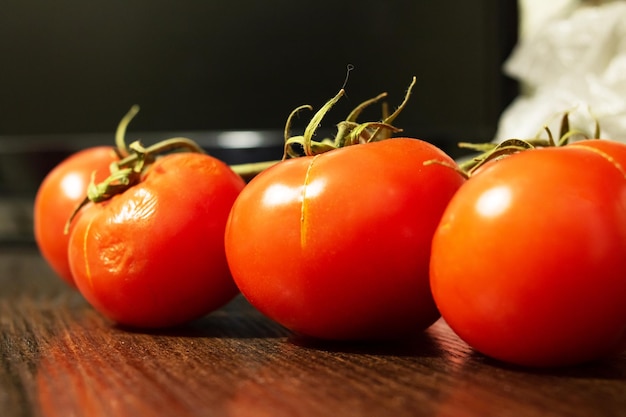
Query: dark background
[70, 69]
[73, 66]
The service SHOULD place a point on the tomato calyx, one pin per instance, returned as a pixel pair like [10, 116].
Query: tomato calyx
[132, 160]
[349, 131]
[492, 151]
[128, 171]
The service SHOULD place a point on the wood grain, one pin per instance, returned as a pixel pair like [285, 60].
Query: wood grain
[58, 357]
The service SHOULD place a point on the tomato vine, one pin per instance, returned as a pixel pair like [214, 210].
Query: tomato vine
[492, 151]
[349, 131]
[134, 158]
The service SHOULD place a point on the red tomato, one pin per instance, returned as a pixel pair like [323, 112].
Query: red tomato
[614, 151]
[336, 246]
[529, 259]
[59, 194]
[153, 256]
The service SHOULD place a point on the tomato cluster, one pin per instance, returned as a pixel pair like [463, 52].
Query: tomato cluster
[360, 237]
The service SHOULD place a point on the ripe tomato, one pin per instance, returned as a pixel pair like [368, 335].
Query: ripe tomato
[153, 256]
[63, 188]
[336, 246]
[614, 151]
[528, 261]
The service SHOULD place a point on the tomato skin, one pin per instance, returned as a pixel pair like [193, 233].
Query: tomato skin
[616, 151]
[337, 246]
[60, 192]
[153, 256]
[528, 261]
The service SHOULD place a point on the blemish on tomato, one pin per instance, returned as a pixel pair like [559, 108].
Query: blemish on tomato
[85, 257]
[605, 155]
[304, 207]
[141, 205]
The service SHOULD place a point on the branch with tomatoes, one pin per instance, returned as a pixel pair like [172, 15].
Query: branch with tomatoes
[364, 236]
[143, 227]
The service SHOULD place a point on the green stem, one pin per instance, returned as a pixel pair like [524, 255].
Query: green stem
[356, 112]
[346, 127]
[389, 119]
[361, 133]
[149, 153]
[120, 133]
[252, 169]
[402, 105]
[288, 140]
[309, 131]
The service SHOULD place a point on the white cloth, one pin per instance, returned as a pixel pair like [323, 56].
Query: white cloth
[574, 64]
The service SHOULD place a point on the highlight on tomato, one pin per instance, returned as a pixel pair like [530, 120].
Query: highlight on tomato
[528, 260]
[335, 243]
[146, 248]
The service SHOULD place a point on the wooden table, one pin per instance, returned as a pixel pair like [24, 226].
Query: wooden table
[61, 358]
